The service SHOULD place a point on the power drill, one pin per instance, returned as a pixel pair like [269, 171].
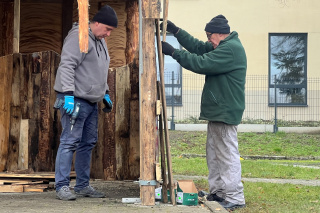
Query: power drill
[75, 115]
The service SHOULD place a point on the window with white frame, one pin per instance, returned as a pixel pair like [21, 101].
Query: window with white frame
[288, 69]
[172, 75]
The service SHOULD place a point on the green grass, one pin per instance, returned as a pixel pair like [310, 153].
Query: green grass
[279, 144]
[260, 197]
[276, 198]
[250, 168]
[278, 169]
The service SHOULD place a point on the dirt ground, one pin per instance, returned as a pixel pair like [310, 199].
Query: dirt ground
[115, 191]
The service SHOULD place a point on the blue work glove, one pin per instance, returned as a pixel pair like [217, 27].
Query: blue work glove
[107, 98]
[68, 104]
[167, 49]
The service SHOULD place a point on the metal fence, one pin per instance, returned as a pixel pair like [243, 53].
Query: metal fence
[184, 98]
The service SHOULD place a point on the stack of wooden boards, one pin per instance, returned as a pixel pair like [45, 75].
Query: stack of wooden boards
[33, 182]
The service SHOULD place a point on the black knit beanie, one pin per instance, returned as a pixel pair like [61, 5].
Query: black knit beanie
[218, 24]
[106, 15]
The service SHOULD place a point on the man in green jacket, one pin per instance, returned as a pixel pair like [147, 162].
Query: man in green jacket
[222, 59]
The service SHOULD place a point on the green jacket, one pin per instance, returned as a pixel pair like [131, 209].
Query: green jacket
[223, 98]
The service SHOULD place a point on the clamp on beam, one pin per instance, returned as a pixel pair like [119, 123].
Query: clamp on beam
[147, 182]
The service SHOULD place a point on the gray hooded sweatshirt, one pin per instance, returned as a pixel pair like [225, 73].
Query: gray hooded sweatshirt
[83, 74]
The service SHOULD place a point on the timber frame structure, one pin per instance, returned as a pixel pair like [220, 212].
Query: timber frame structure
[32, 34]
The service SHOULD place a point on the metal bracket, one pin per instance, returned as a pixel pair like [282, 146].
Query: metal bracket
[147, 182]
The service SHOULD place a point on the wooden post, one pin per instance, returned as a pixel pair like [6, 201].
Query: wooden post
[16, 26]
[148, 76]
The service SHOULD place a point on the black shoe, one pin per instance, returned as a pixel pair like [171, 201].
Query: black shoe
[214, 197]
[231, 206]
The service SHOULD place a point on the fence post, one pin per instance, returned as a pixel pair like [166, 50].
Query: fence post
[172, 102]
[275, 127]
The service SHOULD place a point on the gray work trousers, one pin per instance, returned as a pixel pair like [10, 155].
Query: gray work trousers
[223, 160]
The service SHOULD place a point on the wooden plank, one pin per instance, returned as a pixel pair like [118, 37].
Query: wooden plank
[37, 175]
[32, 189]
[11, 188]
[5, 101]
[122, 116]
[56, 129]
[83, 7]
[23, 144]
[132, 58]
[109, 155]
[147, 112]
[37, 187]
[16, 24]
[14, 133]
[19, 182]
[45, 159]
[15, 116]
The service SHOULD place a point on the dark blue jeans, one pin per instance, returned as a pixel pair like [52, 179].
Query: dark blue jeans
[81, 139]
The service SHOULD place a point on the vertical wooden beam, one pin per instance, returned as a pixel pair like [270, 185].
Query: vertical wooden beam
[5, 101]
[147, 113]
[15, 116]
[148, 95]
[122, 127]
[23, 145]
[108, 140]
[16, 28]
[132, 58]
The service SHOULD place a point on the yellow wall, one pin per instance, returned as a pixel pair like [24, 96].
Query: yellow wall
[254, 20]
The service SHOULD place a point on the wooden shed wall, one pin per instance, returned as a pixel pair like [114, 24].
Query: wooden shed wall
[116, 155]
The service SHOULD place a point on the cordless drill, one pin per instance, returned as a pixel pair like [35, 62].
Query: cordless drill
[75, 115]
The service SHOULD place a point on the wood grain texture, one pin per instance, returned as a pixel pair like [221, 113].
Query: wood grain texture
[151, 8]
[6, 71]
[15, 116]
[6, 29]
[23, 145]
[122, 117]
[40, 27]
[147, 112]
[83, 6]
[16, 26]
[117, 41]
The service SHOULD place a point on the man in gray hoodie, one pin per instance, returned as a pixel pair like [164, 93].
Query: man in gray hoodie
[82, 81]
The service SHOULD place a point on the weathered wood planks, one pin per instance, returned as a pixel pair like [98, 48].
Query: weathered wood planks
[27, 95]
